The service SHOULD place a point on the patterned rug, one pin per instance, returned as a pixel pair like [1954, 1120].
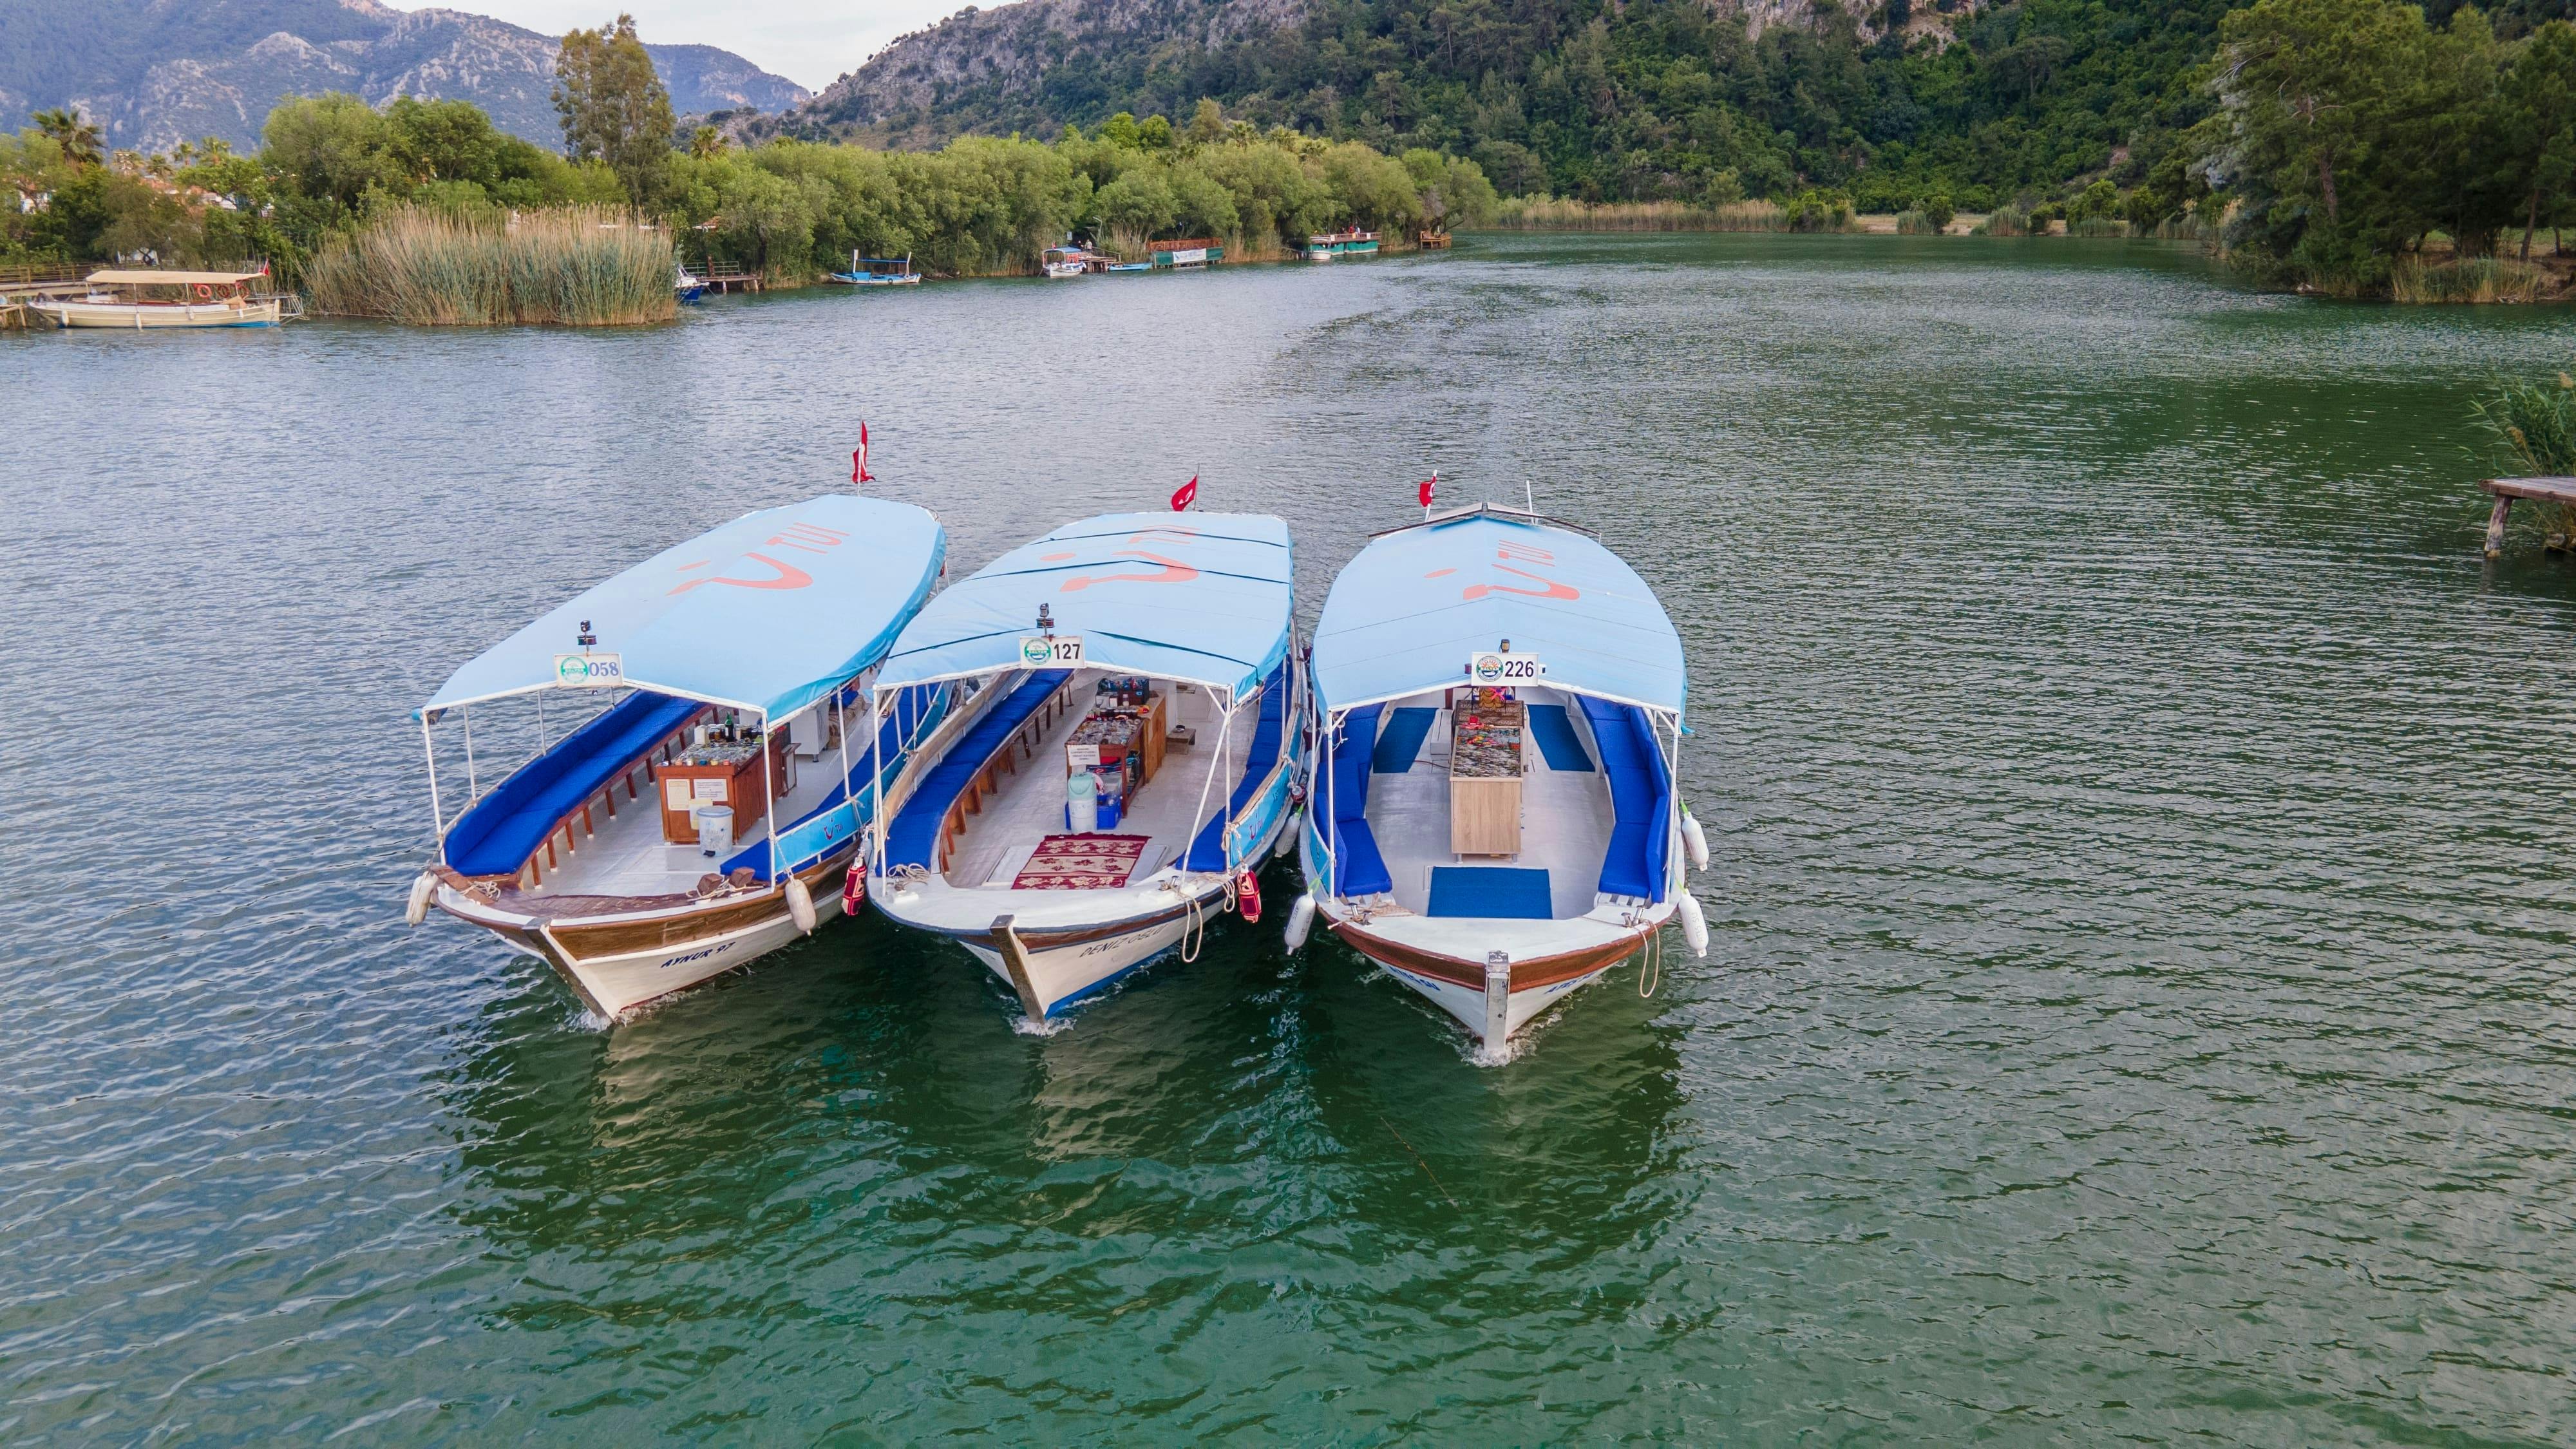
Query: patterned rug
[1081, 863]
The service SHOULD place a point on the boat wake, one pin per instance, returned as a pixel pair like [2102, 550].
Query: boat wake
[1050, 1027]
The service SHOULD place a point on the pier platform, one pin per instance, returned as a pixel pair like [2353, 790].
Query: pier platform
[2506, 490]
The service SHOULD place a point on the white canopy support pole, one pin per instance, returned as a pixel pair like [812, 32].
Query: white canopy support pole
[841, 723]
[437, 813]
[543, 743]
[876, 778]
[1224, 728]
[769, 784]
[1330, 833]
[1673, 812]
[473, 792]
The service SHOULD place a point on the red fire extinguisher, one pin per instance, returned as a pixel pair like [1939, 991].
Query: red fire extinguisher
[1247, 896]
[854, 889]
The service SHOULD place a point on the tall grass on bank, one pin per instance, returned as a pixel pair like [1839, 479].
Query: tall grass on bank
[2532, 426]
[2005, 221]
[1915, 223]
[1554, 213]
[2466, 279]
[583, 266]
[2110, 226]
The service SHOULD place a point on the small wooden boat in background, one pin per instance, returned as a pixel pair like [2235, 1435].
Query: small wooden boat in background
[136, 301]
[704, 815]
[1492, 814]
[876, 272]
[1325, 246]
[687, 287]
[1120, 756]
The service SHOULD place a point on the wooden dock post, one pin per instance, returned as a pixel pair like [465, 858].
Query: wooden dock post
[2506, 490]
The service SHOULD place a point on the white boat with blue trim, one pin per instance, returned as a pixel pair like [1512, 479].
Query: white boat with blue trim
[1121, 756]
[724, 699]
[1493, 814]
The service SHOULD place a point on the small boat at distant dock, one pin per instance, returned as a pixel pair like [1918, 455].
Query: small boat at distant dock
[137, 301]
[735, 672]
[1060, 263]
[1325, 246]
[1492, 814]
[1120, 759]
[687, 287]
[876, 272]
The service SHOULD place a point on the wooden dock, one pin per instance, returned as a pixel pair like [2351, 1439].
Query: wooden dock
[728, 281]
[2506, 490]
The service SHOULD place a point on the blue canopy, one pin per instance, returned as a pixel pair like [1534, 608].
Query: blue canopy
[766, 613]
[1419, 603]
[1201, 597]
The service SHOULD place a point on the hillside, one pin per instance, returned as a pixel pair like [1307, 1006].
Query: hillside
[153, 73]
[1595, 98]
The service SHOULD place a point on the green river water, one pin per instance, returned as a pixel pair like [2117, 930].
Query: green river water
[2139, 1002]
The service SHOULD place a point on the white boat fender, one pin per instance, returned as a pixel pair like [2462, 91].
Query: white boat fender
[1301, 919]
[1695, 840]
[800, 904]
[1694, 925]
[422, 889]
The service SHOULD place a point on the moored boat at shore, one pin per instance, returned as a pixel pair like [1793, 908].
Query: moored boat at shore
[1492, 811]
[1120, 757]
[740, 742]
[1325, 246]
[136, 301]
[1060, 263]
[876, 272]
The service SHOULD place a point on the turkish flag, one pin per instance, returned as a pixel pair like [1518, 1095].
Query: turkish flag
[1188, 494]
[1426, 488]
[859, 460]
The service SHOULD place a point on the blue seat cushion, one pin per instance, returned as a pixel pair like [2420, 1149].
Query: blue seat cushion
[1490, 892]
[498, 834]
[913, 836]
[1358, 868]
[1207, 850]
[1641, 798]
[1402, 739]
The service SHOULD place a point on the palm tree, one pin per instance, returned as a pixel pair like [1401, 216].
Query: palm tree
[79, 139]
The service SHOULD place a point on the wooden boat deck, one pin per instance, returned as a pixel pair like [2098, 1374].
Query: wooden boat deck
[628, 858]
[1566, 819]
[1028, 806]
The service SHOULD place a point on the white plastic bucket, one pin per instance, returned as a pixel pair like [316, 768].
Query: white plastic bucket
[1082, 802]
[715, 828]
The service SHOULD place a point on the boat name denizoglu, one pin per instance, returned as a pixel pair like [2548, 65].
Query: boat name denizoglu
[1505, 669]
[590, 671]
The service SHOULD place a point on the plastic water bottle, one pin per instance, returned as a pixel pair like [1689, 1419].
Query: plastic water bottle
[1082, 802]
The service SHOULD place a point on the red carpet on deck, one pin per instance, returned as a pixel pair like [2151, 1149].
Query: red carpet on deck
[1081, 863]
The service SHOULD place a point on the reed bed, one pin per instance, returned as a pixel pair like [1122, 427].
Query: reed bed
[1553, 213]
[2005, 221]
[1915, 223]
[583, 266]
[2104, 226]
[2466, 279]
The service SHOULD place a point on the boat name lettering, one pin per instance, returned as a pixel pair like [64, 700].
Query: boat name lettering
[1041, 652]
[590, 671]
[698, 955]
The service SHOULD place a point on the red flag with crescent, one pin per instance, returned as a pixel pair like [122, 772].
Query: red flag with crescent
[1188, 494]
[859, 460]
[1426, 488]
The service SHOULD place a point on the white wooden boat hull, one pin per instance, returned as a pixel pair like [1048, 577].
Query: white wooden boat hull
[130, 317]
[1068, 975]
[1059, 271]
[617, 986]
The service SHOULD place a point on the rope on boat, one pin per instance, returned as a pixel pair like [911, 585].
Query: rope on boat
[1650, 965]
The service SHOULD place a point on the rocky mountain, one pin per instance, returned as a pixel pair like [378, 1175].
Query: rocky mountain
[153, 73]
[1022, 65]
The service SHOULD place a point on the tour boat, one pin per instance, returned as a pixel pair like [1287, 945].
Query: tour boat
[1120, 755]
[1129, 267]
[133, 301]
[877, 272]
[1324, 246]
[1063, 262]
[726, 681]
[686, 287]
[1492, 812]
[1185, 256]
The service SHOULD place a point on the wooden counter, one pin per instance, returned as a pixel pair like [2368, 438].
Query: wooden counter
[734, 781]
[1485, 768]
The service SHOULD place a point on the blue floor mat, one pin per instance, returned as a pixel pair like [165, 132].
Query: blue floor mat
[1491, 891]
[1401, 740]
[1556, 738]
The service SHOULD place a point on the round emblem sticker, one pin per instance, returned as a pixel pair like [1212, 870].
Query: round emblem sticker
[1489, 668]
[571, 669]
[1036, 651]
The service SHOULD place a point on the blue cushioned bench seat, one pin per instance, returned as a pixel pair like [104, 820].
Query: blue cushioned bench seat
[1358, 868]
[910, 706]
[498, 834]
[1207, 852]
[913, 836]
[1641, 796]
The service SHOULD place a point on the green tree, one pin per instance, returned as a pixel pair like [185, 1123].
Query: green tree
[333, 148]
[79, 139]
[2538, 131]
[614, 107]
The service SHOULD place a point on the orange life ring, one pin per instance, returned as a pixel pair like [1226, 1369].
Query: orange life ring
[205, 293]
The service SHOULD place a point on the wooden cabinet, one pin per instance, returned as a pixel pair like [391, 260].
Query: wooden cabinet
[1485, 767]
[718, 774]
